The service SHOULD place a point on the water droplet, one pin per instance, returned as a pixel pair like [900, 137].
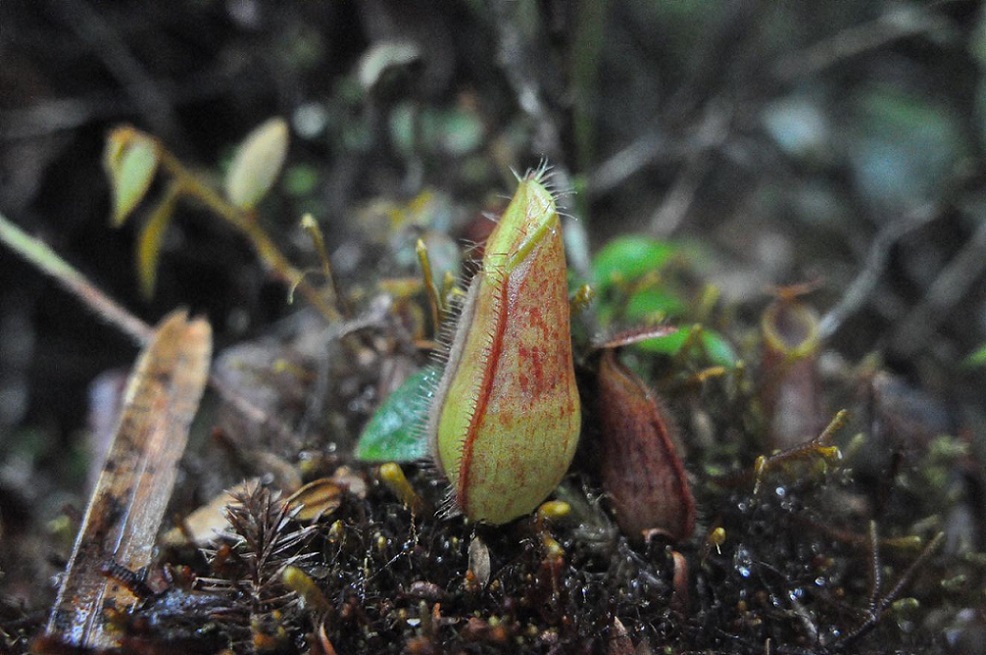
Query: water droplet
[743, 562]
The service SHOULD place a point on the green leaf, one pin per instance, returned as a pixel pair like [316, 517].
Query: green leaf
[395, 432]
[257, 163]
[667, 345]
[716, 348]
[149, 243]
[649, 302]
[300, 180]
[131, 161]
[628, 258]
[454, 131]
[976, 358]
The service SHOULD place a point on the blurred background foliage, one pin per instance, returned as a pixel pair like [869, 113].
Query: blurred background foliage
[835, 143]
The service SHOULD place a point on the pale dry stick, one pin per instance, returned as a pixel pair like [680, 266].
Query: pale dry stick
[654, 145]
[863, 287]
[107, 309]
[897, 23]
[54, 115]
[712, 133]
[948, 289]
[642, 151]
[515, 58]
[49, 262]
[679, 198]
[696, 97]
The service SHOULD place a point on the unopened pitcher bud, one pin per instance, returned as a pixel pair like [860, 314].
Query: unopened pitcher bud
[505, 422]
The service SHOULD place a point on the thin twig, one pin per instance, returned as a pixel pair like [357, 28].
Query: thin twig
[716, 65]
[862, 288]
[879, 607]
[898, 23]
[55, 115]
[711, 133]
[247, 223]
[679, 198]
[515, 57]
[948, 289]
[652, 144]
[876, 575]
[50, 263]
[656, 145]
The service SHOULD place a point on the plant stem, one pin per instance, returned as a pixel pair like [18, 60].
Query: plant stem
[247, 223]
[48, 261]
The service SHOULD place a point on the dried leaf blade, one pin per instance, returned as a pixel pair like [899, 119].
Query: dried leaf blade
[128, 503]
[150, 241]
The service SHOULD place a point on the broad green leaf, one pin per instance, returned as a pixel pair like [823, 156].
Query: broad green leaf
[668, 345]
[149, 244]
[628, 258]
[131, 161]
[645, 303]
[395, 432]
[716, 348]
[257, 163]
